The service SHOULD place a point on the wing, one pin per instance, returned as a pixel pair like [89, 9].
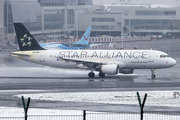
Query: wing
[92, 45]
[88, 63]
[93, 63]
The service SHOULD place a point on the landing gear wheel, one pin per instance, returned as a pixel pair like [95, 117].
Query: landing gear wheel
[91, 75]
[153, 76]
[101, 74]
[152, 73]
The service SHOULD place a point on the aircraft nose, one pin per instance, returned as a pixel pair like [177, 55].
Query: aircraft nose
[173, 62]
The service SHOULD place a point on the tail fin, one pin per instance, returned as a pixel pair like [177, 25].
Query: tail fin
[85, 37]
[25, 40]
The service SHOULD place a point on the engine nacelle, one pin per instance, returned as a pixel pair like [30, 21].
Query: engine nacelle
[110, 69]
[126, 71]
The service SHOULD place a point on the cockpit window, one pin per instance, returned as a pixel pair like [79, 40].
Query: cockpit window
[164, 56]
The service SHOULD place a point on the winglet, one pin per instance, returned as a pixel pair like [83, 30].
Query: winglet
[25, 40]
[85, 37]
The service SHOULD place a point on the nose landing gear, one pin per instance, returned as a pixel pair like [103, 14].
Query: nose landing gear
[152, 73]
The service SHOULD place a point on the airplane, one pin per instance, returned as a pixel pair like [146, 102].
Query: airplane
[110, 62]
[81, 44]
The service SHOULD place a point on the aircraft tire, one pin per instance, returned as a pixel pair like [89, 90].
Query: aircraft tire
[101, 74]
[153, 76]
[91, 75]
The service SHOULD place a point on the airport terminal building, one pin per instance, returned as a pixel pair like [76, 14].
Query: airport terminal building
[73, 17]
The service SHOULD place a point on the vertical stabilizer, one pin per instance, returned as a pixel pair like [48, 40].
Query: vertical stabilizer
[25, 40]
[85, 38]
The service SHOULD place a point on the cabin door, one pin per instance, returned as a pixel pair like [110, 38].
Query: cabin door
[151, 57]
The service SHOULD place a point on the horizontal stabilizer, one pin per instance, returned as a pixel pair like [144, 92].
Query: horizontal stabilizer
[20, 54]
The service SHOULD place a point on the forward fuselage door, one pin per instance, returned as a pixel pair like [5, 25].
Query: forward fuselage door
[151, 56]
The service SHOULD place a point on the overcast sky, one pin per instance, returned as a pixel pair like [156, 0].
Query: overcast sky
[172, 2]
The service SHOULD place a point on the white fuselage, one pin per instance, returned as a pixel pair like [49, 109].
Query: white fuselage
[130, 59]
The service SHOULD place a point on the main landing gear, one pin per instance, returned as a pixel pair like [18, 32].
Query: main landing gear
[101, 74]
[152, 73]
[92, 75]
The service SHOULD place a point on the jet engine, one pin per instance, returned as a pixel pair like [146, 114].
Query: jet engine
[126, 71]
[110, 69]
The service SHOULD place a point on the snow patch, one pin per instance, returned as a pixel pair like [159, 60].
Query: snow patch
[154, 98]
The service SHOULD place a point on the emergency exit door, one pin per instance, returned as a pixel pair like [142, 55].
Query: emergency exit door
[42, 57]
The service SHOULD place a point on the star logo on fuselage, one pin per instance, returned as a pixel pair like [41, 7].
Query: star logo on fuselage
[26, 41]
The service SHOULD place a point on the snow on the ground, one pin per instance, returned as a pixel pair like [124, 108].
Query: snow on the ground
[19, 112]
[154, 98]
